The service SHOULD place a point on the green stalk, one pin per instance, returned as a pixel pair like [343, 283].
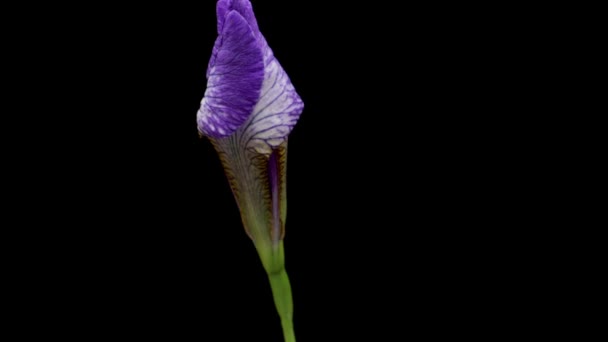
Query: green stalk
[273, 259]
[281, 291]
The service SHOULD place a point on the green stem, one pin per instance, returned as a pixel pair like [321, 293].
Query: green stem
[281, 291]
[288, 330]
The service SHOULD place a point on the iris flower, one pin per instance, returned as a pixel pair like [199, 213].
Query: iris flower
[249, 108]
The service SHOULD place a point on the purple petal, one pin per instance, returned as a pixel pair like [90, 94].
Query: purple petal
[235, 77]
[242, 6]
[245, 9]
[222, 9]
[275, 189]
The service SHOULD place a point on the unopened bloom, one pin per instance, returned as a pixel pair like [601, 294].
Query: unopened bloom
[249, 108]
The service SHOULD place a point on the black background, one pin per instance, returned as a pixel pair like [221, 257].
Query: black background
[137, 228]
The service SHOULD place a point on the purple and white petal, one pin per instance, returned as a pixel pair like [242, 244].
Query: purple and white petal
[236, 74]
[276, 112]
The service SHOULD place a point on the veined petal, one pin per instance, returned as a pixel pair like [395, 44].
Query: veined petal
[222, 9]
[276, 112]
[245, 9]
[236, 74]
[242, 6]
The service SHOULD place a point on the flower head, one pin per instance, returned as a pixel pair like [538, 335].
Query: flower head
[248, 92]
